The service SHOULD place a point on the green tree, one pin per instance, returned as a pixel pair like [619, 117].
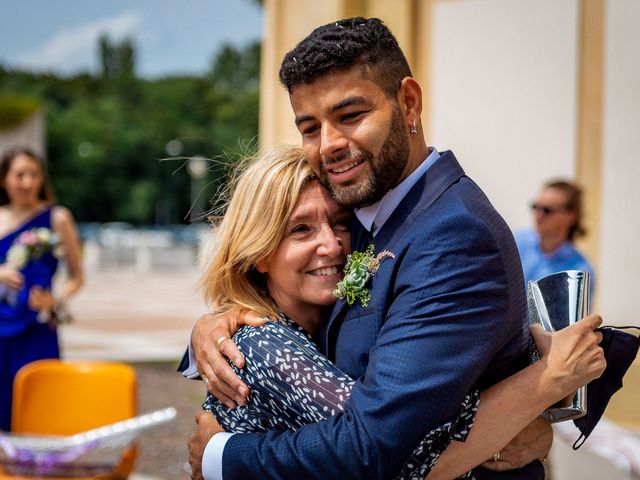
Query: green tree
[107, 133]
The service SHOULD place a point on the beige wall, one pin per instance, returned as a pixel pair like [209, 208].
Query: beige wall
[521, 90]
[503, 94]
[620, 233]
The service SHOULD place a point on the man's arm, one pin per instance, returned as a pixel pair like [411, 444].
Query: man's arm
[207, 350]
[570, 358]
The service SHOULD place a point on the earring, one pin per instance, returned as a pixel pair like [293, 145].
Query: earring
[413, 130]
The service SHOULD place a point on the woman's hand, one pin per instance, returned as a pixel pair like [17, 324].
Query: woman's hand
[41, 299]
[211, 344]
[11, 277]
[532, 443]
[206, 427]
[572, 356]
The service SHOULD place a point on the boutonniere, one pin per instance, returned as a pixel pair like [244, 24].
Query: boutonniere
[359, 269]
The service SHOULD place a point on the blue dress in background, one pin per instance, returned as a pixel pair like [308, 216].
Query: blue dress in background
[22, 338]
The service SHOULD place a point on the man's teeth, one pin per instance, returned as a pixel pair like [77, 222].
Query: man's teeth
[345, 168]
[325, 271]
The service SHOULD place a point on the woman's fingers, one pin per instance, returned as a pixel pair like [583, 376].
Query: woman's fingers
[541, 338]
[572, 355]
[12, 278]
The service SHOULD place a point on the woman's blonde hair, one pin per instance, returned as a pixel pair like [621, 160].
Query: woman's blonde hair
[264, 191]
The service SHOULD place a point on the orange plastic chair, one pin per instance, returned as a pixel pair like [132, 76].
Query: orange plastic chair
[56, 397]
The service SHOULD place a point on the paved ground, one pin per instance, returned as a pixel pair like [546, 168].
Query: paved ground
[145, 320]
[132, 316]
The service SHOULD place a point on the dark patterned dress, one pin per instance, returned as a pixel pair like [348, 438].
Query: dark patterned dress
[293, 384]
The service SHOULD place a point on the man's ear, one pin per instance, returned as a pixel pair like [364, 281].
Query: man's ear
[410, 100]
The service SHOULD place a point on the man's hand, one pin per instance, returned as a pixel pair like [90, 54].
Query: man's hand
[532, 443]
[211, 344]
[206, 427]
[572, 355]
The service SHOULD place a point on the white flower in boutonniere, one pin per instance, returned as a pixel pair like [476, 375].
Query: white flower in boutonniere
[359, 269]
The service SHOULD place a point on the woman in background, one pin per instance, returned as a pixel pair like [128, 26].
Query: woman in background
[30, 227]
[550, 248]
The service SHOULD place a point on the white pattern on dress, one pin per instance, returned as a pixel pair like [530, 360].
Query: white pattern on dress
[293, 384]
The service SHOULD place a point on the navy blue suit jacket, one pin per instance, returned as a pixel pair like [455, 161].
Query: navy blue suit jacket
[447, 315]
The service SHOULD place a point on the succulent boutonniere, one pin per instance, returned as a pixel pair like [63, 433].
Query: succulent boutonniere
[359, 269]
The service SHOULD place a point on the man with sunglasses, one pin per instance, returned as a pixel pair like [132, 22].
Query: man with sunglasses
[558, 222]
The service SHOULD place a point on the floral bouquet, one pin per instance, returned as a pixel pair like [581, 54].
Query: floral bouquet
[29, 245]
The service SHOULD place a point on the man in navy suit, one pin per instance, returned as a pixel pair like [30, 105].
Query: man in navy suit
[447, 315]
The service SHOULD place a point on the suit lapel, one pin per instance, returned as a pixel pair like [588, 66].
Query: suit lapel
[360, 238]
[427, 189]
[442, 174]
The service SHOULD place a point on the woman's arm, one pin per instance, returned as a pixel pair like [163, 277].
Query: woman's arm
[65, 228]
[570, 358]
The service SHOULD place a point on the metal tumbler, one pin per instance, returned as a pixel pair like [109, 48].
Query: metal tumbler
[557, 301]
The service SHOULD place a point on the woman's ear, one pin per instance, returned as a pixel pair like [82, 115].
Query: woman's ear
[261, 266]
[410, 100]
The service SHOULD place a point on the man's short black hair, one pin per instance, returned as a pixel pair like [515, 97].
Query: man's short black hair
[352, 42]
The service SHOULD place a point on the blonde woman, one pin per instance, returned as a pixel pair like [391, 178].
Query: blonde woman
[279, 251]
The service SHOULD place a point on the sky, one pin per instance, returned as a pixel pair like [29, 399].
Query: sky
[170, 36]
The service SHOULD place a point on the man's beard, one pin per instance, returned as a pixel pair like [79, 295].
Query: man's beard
[385, 170]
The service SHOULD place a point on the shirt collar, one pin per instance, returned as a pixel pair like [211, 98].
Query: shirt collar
[373, 217]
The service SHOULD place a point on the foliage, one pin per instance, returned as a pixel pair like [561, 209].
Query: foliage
[107, 134]
[15, 110]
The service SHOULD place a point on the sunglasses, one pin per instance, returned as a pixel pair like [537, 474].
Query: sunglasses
[546, 210]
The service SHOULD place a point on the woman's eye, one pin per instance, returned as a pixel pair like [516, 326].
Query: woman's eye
[300, 228]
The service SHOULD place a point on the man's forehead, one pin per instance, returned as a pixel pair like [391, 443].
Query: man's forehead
[337, 80]
[334, 91]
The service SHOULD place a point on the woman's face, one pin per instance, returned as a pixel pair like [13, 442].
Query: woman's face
[24, 180]
[556, 220]
[303, 271]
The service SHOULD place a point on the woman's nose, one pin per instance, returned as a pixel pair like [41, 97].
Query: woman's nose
[330, 245]
[26, 181]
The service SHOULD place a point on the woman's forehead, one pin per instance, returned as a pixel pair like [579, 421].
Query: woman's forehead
[315, 198]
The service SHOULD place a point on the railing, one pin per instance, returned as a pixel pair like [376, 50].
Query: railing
[120, 245]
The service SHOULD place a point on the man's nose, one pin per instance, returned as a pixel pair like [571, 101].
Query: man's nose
[332, 140]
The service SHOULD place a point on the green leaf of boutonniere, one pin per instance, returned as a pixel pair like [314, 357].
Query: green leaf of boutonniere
[359, 269]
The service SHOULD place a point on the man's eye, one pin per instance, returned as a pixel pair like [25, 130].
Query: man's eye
[309, 130]
[351, 116]
[342, 226]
